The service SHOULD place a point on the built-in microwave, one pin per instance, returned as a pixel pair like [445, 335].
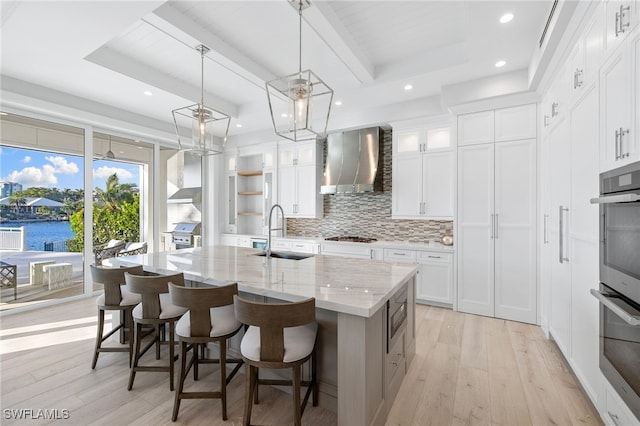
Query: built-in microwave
[619, 292]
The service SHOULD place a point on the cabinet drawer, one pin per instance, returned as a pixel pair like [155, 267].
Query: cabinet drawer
[400, 255]
[433, 256]
[346, 250]
[396, 365]
[302, 247]
[280, 245]
[617, 414]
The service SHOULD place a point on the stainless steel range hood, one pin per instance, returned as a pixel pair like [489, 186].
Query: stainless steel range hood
[188, 177]
[353, 159]
[186, 196]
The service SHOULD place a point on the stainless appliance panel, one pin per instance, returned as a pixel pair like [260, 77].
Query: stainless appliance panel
[620, 345]
[397, 309]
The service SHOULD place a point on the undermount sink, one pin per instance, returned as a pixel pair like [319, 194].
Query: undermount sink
[284, 255]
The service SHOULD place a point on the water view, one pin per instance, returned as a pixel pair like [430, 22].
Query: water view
[38, 233]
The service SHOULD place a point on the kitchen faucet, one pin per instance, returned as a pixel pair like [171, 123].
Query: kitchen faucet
[268, 249]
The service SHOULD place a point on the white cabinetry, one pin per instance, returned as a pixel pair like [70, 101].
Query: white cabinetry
[250, 188]
[299, 179]
[620, 19]
[618, 143]
[423, 173]
[435, 277]
[617, 413]
[476, 128]
[584, 61]
[496, 223]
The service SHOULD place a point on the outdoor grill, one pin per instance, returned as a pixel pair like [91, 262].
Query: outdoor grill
[183, 234]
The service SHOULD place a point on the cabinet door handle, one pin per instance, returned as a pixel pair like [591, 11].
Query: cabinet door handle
[614, 417]
[623, 132]
[554, 109]
[545, 239]
[561, 256]
[617, 144]
[575, 79]
[399, 254]
[434, 257]
[620, 24]
[496, 232]
[579, 79]
[492, 225]
[546, 121]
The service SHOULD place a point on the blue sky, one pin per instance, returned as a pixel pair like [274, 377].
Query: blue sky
[45, 169]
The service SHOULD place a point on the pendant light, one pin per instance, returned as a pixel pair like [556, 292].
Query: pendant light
[109, 155]
[299, 103]
[209, 127]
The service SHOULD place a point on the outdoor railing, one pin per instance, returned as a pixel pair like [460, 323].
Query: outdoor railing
[55, 246]
[12, 238]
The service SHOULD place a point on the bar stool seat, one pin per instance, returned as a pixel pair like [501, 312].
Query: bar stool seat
[298, 342]
[115, 297]
[210, 319]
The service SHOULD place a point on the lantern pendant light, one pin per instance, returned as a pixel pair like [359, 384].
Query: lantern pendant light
[209, 128]
[309, 99]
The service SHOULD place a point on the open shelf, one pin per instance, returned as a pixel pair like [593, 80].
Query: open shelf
[250, 173]
[249, 213]
[249, 192]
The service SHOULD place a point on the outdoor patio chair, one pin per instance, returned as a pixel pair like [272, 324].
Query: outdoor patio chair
[134, 248]
[108, 250]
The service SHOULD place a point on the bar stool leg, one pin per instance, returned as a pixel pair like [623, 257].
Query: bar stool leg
[223, 377]
[129, 315]
[314, 379]
[98, 338]
[171, 354]
[297, 415]
[251, 385]
[183, 376]
[136, 357]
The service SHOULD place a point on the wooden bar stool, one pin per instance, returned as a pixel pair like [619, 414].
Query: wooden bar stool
[114, 298]
[156, 310]
[210, 319]
[281, 335]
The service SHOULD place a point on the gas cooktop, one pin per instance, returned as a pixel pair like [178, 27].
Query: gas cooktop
[352, 239]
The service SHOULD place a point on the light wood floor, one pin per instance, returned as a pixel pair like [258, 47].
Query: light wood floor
[467, 370]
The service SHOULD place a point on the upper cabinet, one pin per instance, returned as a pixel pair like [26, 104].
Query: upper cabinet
[620, 18]
[423, 173]
[618, 143]
[475, 128]
[515, 123]
[585, 58]
[299, 179]
[504, 124]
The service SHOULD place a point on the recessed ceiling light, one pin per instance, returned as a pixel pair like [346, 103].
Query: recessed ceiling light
[507, 17]
[284, 114]
[3, 113]
[408, 87]
[238, 125]
[338, 103]
[500, 64]
[148, 93]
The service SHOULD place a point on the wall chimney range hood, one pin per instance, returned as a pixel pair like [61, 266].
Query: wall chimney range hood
[188, 177]
[353, 159]
[186, 196]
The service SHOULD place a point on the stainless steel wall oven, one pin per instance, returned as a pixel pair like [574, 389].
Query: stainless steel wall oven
[619, 292]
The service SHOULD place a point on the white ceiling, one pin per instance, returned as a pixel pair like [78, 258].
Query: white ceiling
[110, 52]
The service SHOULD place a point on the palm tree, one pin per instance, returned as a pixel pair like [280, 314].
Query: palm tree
[17, 201]
[115, 193]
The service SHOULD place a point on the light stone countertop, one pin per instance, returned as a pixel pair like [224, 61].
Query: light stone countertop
[353, 286]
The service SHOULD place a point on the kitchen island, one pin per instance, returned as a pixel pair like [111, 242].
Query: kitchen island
[359, 368]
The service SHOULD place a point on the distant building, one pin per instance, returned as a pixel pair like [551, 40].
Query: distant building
[8, 188]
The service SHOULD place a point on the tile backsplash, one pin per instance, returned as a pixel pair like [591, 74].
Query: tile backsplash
[368, 214]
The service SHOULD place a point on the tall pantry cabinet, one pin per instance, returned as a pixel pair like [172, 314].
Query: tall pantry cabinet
[497, 213]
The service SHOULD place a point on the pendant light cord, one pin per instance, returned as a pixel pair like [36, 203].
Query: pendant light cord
[300, 37]
[202, 77]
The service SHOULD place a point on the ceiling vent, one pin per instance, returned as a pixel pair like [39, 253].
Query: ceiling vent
[546, 26]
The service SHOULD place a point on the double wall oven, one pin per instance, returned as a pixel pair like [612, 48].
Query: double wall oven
[619, 292]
